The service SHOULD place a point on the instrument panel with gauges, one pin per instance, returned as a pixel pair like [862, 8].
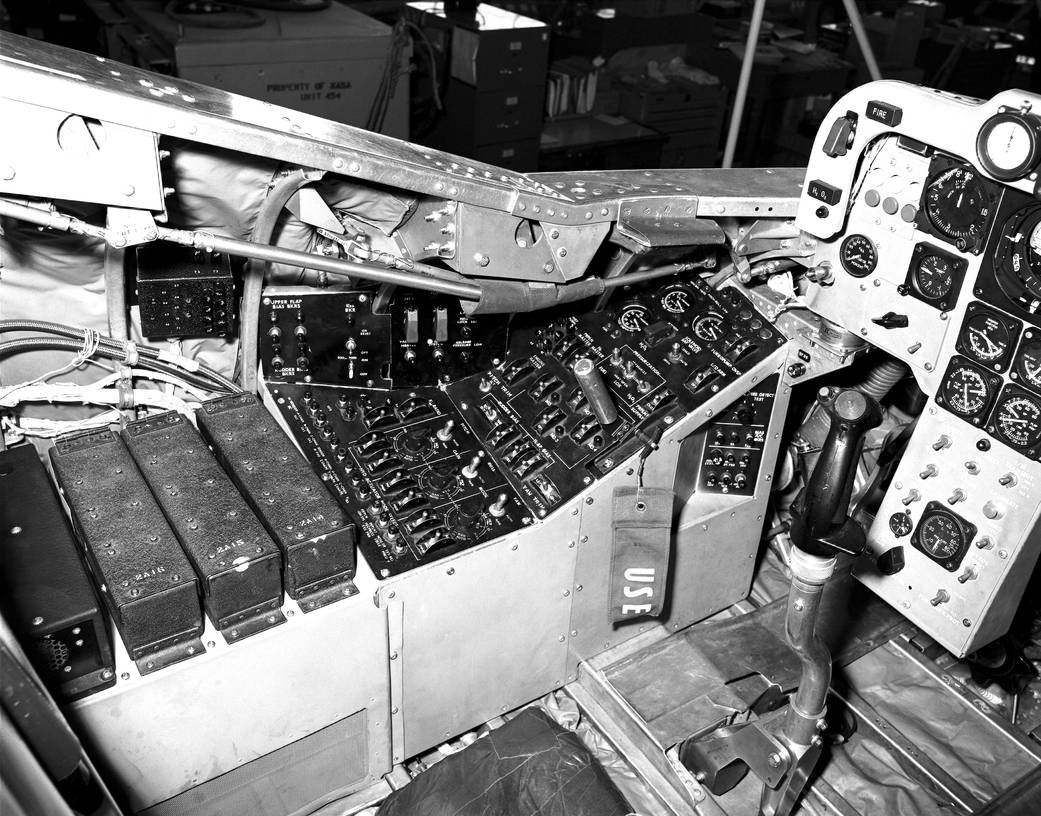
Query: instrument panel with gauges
[932, 251]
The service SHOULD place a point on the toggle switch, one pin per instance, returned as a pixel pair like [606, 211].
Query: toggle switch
[992, 511]
[942, 596]
[470, 470]
[985, 543]
[1007, 480]
[445, 432]
[958, 495]
[943, 442]
[912, 496]
[930, 470]
[968, 575]
[498, 508]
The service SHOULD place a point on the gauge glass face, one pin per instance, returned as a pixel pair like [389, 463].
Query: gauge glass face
[986, 338]
[1008, 144]
[956, 203]
[634, 317]
[709, 327]
[1017, 420]
[900, 524]
[1018, 259]
[1028, 363]
[676, 301]
[966, 391]
[941, 536]
[858, 255]
[934, 276]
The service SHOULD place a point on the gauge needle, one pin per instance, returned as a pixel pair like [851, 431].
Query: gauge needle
[1014, 421]
[993, 346]
[960, 197]
[1032, 372]
[965, 393]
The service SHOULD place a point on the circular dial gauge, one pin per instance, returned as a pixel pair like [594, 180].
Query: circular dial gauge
[1018, 259]
[900, 524]
[676, 301]
[956, 203]
[1008, 145]
[986, 338]
[966, 391]
[933, 276]
[858, 255]
[634, 317]
[1017, 420]
[709, 327]
[1028, 363]
[941, 536]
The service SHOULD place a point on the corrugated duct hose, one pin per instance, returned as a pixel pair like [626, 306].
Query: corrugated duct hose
[882, 378]
[253, 281]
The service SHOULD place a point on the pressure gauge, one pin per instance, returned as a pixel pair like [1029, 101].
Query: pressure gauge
[1009, 145]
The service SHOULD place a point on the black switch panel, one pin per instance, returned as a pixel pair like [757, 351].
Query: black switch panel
[734, 443]
[416, 480]
[184, 292]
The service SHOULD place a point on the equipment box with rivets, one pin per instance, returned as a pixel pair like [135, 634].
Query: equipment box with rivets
[45, 591]
[299, 512]
[237, 563]
[142, 572]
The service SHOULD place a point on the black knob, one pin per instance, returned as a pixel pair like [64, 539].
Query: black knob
[891, 561]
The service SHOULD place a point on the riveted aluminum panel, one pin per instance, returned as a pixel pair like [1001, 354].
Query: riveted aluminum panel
[481, 632]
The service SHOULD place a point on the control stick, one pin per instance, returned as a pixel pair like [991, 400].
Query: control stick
[820, 530]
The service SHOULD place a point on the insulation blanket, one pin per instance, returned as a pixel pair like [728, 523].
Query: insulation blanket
[529, 767]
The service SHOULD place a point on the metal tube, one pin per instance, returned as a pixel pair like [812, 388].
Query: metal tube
[743, 82]
[811, 696]
[862, 39]
[292, 257]
[248, 249]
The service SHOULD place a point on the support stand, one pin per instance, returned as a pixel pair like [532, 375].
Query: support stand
[748, 59]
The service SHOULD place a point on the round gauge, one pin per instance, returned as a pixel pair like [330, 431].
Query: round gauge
[709, 327]
[676, 301]
[941, 536]
[966, 391]
[900, 524]
[933, 276]
[1027, 365]
[956, 203]
[985, 337]
[1018, 259]
[1008, 145]
[858, 255]
[1017, 420]
[634, 317]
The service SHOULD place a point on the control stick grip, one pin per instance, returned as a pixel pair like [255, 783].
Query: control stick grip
[819, 513]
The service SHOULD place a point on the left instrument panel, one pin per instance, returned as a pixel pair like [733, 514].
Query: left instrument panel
[428, 471]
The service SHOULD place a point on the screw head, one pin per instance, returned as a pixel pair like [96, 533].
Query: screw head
[774, 760]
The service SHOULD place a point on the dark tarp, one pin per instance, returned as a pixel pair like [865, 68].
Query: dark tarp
[529, 767]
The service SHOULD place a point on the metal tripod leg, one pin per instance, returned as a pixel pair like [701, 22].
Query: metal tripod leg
[748, 59]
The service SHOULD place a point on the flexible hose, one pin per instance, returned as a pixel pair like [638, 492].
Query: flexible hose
[881, 379]
[256, 271]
